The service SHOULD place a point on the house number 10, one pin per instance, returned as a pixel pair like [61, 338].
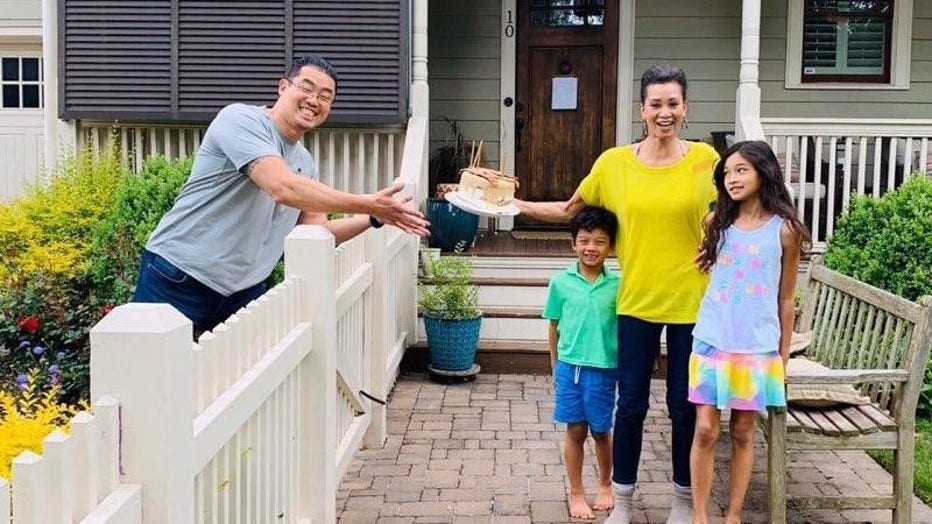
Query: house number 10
[509, 25]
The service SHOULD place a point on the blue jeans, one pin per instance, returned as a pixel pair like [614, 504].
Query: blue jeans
[161, 281]
[638, 345]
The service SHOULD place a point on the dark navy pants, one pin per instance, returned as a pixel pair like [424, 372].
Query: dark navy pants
[638, 346]
[161, 281]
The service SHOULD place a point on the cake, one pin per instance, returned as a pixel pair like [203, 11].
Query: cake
[488, 185]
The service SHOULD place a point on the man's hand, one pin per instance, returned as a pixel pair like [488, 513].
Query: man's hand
[395, 211]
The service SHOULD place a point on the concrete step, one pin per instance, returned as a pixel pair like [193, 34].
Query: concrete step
[524, 267]
[508, 324]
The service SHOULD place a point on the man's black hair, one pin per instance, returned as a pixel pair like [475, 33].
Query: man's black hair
[592, 218]
[313, 61]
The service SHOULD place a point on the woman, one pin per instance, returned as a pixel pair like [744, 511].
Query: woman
[660, 189]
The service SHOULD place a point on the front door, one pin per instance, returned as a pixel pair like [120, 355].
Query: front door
[565, 105]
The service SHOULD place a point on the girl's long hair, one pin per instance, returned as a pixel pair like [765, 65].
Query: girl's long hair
[773, 194]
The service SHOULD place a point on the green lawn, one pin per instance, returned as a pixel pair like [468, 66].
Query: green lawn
[923, 474]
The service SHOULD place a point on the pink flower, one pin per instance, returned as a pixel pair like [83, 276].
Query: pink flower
[30, 324]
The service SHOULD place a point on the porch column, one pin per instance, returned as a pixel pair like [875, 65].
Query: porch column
[420, 93]
[747, 101]
[50, 82]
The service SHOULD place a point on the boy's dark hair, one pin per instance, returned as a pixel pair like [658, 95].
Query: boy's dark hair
[313, 61]
[592, 218]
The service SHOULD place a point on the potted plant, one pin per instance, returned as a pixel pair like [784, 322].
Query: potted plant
[450, 307]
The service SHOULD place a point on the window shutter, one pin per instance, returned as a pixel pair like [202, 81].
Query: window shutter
[866, 41]
[116, 58]
[182, 60]
[819, 44]
[230, 51]
[367, 43]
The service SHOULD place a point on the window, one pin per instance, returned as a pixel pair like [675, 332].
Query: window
[847, 40]
[20, 82]
[567, 13]
[848, 43]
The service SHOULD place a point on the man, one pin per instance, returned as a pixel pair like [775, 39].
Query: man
[251, 182]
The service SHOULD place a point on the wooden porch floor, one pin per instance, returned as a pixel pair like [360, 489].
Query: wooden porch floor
[522, 244]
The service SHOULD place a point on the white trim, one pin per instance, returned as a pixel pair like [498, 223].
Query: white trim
[900, 54]
[509, 50]
[872, 127]
[624, 104]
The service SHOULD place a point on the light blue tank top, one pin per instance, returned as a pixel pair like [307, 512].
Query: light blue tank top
[738, 313]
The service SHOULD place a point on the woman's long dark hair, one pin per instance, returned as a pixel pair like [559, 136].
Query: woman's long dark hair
[773, 194]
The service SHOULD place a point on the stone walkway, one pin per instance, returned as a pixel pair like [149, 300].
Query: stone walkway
[487, 452]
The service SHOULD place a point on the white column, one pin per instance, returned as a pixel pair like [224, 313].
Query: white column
[420, 92]
[747, 104]
[50, 81]
[141, 355]
[309, 255]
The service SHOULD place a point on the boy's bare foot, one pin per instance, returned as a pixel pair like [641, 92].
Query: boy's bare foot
[605, 499]
[732, 520]
[579, 509]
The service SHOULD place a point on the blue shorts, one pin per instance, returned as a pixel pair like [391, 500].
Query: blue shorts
[584, 394]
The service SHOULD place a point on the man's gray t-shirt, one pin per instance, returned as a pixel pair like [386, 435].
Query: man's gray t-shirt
[224, 230]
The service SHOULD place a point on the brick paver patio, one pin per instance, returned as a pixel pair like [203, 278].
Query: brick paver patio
[487, 452]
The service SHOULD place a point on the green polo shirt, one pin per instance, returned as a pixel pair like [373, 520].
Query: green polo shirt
[585, 315]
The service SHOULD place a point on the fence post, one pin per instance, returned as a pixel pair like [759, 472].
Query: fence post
[141, 355]
[309, 255]
[380, 344]
[408, 286]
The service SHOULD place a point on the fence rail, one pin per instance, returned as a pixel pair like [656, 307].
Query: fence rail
[828, 161]
[356, 160]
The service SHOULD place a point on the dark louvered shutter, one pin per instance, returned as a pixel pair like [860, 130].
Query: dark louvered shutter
[116, 58]
[182, 60]
[367, 43]
[230, 51]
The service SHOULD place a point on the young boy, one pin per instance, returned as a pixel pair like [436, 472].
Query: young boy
[584, 352]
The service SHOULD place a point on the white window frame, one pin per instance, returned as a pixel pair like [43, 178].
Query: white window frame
[900, 54]
[20, 54]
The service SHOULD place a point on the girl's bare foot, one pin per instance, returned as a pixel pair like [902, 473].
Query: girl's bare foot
[579, 509]
[605, 499]
[732, 520]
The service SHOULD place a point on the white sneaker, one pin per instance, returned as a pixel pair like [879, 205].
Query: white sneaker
[681, 510]
[624, 504]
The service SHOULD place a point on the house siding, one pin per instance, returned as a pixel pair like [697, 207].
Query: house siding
[704, 38]
[20, 14]
[464, 72]
[776, 100]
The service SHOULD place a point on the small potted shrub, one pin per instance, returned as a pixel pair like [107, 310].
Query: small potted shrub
[450, 306]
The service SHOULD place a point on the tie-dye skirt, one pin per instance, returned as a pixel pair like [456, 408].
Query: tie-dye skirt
[748, 382]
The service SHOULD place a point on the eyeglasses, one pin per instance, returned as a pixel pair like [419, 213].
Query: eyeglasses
[314, 91]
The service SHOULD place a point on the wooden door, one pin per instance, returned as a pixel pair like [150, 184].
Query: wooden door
[557, 135]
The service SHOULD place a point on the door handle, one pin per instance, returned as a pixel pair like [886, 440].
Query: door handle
[519, 126]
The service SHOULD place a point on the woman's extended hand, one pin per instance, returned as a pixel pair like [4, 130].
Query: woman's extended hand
[701, 262]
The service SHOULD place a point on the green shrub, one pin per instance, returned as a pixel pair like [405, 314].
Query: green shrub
[49, 230]
[120, 237]
[449, 293]
[46, 305]
[887, 241]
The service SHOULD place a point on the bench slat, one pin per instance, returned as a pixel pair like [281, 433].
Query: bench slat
[845, 427]
[849, 376]
[805, 421]
[824, 423]
[899, 306]
[882, 419]
[859, 420]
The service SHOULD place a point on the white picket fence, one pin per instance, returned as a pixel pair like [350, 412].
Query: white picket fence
[256, 421]
[829, 160]
[359, 160]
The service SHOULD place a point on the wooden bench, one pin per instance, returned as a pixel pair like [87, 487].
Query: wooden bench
[878, 342]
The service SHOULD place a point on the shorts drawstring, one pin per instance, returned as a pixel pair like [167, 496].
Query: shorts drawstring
[576, 375]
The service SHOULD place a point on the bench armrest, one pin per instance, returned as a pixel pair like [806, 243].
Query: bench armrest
[849, 376]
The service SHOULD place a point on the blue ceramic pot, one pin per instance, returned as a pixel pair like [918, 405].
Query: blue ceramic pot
[450, 225]
[452, 343]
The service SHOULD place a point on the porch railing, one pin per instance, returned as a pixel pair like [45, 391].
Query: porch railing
[258, 419]
[359, 160]
[829, 160]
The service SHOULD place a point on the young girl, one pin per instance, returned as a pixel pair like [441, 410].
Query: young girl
[741, 341]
